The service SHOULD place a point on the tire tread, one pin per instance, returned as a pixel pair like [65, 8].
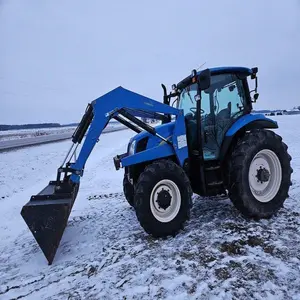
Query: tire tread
[240, 193]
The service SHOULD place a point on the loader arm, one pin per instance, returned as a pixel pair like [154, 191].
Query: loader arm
[124, 103]
[47, 213]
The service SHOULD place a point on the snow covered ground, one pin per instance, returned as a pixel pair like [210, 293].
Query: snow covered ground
[28, 133]
[105, 254]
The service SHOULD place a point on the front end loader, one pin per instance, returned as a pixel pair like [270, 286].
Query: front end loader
[209, 144]
[47, 213]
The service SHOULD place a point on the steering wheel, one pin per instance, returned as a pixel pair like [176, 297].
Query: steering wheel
[194, 110]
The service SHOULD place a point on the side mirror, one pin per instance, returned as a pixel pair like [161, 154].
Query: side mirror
[204, 80]
[255, 97]
[254, 72]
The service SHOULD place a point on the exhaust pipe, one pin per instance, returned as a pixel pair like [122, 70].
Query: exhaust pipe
[47, 213]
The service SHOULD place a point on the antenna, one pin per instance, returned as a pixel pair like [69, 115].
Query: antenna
[201, 66]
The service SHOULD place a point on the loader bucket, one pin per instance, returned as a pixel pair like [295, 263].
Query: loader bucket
[47, 213]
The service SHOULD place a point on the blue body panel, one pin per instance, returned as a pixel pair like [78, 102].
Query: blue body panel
[104, 108]
[244, 120]
[175, 132]
[156, 152]
[180, 139]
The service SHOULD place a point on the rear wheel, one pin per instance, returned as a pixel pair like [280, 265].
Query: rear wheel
[260, 174]
[163, 198]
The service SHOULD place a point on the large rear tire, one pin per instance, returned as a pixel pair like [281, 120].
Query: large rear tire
[260, 174]
[163, 198]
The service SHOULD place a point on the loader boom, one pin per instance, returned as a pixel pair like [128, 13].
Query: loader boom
[47, 213]
[118, 102]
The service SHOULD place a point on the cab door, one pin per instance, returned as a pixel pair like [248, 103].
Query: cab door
[226, 100]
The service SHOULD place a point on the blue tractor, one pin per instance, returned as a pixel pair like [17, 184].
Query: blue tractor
[208, 143]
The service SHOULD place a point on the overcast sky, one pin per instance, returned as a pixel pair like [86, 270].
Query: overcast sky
[58, 55]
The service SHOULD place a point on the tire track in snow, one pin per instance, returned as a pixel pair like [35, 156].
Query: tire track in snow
[105, 196]
[29, 284]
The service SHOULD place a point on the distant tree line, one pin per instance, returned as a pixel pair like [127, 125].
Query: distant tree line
[34, 126]
[39, 126]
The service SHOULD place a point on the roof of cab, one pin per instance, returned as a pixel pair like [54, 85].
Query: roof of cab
[217, 70]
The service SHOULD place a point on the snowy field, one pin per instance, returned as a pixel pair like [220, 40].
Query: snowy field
[28, 133]
[105, 254]
[7, 135]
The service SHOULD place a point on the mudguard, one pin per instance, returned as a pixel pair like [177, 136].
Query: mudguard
[245, 123]
[251, 121]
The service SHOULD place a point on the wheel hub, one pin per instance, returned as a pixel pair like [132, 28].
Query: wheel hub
[164, 199]
[263, 175]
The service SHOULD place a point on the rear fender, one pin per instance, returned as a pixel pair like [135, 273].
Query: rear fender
[243, 124]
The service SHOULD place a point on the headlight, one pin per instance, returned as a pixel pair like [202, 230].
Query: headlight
[132, 148]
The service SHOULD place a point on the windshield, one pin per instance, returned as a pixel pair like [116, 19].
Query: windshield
[224, 97]
[187, 100]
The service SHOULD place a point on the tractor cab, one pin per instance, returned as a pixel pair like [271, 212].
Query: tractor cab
[225, 100]
[212, 101]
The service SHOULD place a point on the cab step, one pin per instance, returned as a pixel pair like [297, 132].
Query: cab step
[213, 168]
[215, 183]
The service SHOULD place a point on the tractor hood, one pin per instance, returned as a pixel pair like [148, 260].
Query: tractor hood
[145, 140]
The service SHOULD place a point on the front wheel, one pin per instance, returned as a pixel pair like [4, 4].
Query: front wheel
[128, 190]
[163, 198]
[260, 174]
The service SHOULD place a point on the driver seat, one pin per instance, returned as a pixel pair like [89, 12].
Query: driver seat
[225, 113]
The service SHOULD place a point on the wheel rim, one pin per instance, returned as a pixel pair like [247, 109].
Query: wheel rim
[265, 175]
[163, 207]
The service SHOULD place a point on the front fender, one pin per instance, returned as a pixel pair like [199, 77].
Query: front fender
[243, 124]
